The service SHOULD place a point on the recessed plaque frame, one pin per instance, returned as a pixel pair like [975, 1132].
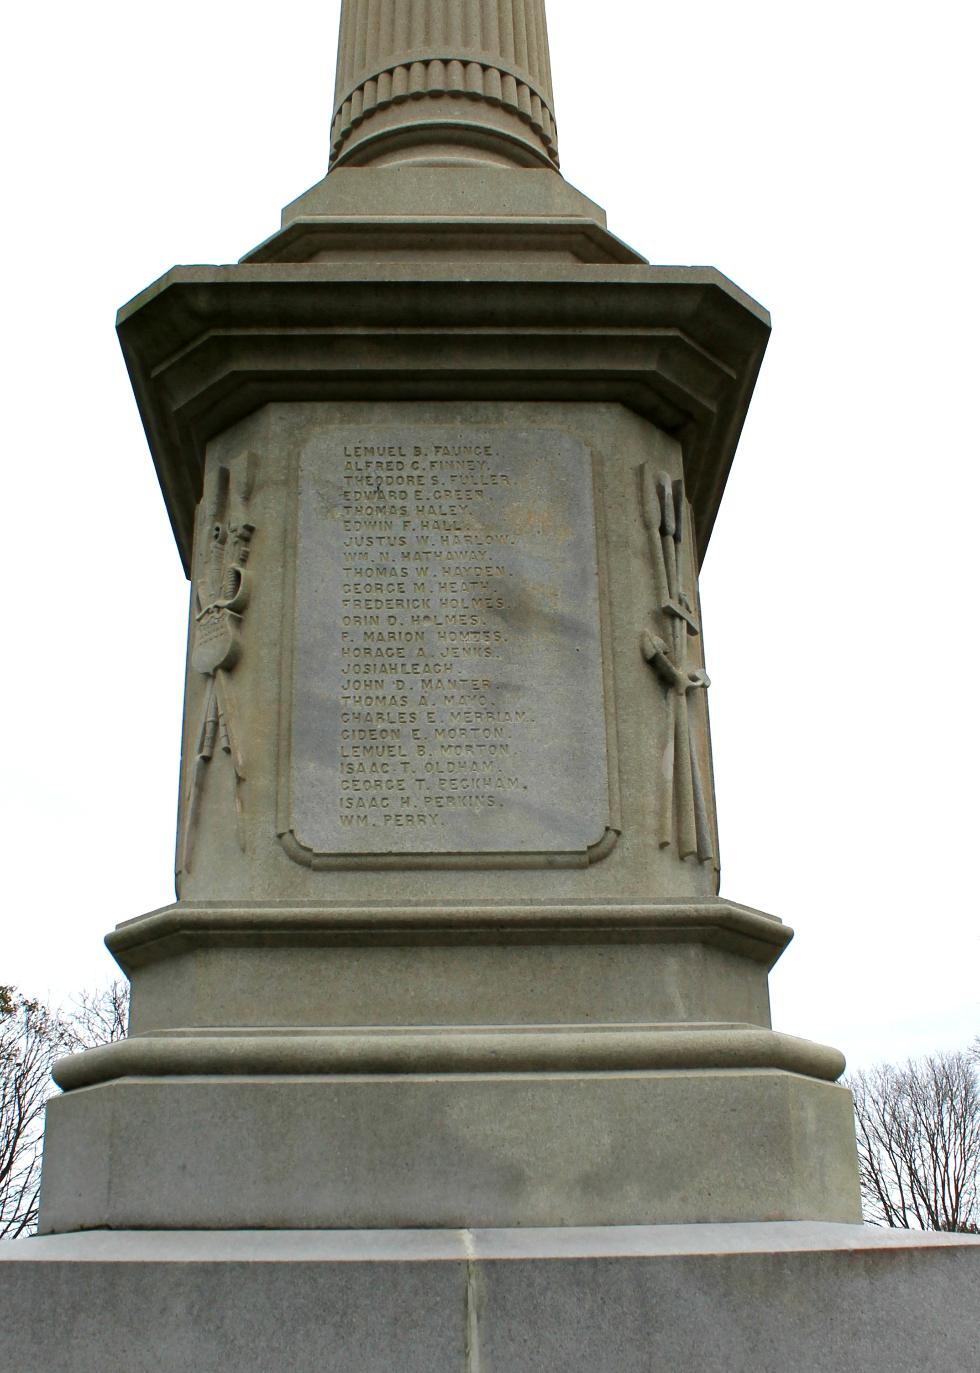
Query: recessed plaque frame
[443, 693]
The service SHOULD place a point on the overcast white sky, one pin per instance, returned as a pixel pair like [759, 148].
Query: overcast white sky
[824, 157]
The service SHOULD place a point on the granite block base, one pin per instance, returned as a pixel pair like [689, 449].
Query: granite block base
[755, 1298]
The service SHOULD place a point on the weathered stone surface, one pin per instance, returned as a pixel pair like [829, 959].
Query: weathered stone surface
[760, 1298]
[496, 1136]
[126, 1304]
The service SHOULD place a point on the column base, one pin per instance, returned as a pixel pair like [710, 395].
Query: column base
[759, 1298]
[446, 1149]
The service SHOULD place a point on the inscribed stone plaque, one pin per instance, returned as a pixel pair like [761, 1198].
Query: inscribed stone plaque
[447, 685]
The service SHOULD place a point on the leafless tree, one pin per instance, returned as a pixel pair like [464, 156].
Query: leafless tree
[99, 1017]
[918, 1134]
[31, 1037]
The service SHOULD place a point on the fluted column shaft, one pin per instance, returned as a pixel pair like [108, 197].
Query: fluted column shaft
[473, 73]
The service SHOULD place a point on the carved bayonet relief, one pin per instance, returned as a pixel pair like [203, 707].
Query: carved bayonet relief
[684, 816]
[221, 583]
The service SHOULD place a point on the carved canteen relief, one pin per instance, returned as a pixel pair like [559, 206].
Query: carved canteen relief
[221, 592]
[672, 648]
[446, 700]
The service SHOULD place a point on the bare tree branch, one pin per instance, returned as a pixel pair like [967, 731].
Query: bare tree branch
[31, 1037]
[99, 1017]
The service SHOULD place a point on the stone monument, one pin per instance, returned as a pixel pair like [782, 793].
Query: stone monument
[449, 1001]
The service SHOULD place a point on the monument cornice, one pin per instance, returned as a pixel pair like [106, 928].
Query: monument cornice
[206, 346]
[187, 926]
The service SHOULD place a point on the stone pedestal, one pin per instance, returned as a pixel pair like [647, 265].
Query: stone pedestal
[448, 753]
[263, 1132]
[442, 458]
[762, 1298]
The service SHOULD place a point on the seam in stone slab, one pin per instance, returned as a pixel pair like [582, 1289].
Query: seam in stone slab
[473, 1304]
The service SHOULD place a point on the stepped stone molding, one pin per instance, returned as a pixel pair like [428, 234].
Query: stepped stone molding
[174, 929]
[395, 52]
[458, 1049]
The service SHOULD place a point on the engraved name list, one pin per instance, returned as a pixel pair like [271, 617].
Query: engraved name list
[447, 692]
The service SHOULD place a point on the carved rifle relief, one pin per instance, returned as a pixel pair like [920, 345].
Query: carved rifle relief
[684, 813]
[221, 590]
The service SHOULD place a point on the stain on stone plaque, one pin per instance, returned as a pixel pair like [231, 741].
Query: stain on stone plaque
[447, 689]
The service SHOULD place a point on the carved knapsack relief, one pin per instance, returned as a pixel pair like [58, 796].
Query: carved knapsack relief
[221, 591]
[685, 819]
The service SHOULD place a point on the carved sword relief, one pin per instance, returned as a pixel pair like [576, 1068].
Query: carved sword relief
[221, 594]
[684, 814]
